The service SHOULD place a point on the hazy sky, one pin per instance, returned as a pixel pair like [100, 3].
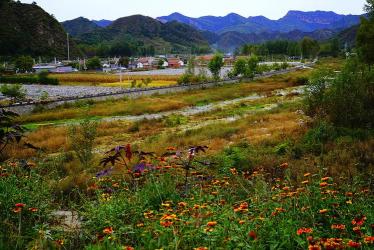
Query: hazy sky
[112, 9]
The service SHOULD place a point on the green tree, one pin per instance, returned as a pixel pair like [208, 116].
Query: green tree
[345, 99]
[24, 64]
[124, 61]
[369, 8]
[191, 66]
[240, 67]
[14, 91]
[215, 66]
[335, 47]
[251, 69]
[309, 47]
[365, 41]
[93, 63]
[160, 64]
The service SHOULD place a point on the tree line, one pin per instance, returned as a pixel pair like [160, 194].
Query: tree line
[306, 48]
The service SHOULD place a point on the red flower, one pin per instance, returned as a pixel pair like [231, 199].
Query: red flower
[20, 205]
[252, 235]
[359, 221]
[354, 244]
[303, 230]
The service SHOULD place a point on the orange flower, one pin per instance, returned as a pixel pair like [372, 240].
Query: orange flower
[354, 244]
[369, 240]
[323, 184]
[284, 165]
[108, 230]
[243, 207]
[211, 223]
[33, 209]
[166, 223]
[168, 217]
[307, 174]
[182, 204]
[201, 248]
[325, 179]
[323, 211]
[314, 247]
[304, 230]
[252, 235]
[241, 222]
[20, 205]
[338, 226]
[305, 182]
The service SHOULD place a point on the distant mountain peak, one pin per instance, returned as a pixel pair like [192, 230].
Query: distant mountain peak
[306, 21]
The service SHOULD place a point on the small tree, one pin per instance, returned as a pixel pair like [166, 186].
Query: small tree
[215, 66]
[82, 139]
[160, 64]
[240, 67]
[24, 64]
[309, 47]
[14, 91]
[191, 66]
[251, 67]
[94, 63]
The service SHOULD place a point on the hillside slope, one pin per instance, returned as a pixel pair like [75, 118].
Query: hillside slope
[145, 31]
[28, 29]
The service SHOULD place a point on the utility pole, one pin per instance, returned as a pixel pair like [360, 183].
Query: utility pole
[67, 40]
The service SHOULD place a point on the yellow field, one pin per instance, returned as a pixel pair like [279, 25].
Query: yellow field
[91, 78]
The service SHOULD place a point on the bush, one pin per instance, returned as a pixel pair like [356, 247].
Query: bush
[82, 139]
[346, 99]
[316, 137]
[302, 80]
[15, 91]
[42, 78]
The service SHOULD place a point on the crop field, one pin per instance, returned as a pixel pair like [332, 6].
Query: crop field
[96, 78]
[219, 168]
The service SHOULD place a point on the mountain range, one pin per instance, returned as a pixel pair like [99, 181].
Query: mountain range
[293, 20]
[27, 29]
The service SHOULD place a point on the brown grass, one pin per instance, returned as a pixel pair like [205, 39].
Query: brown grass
[167, 102]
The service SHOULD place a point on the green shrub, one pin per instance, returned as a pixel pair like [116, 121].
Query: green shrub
[14, 91]
[316, 137]
[82, 139]
[345, 99]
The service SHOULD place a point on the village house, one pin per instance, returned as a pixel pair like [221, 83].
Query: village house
[175, 63]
